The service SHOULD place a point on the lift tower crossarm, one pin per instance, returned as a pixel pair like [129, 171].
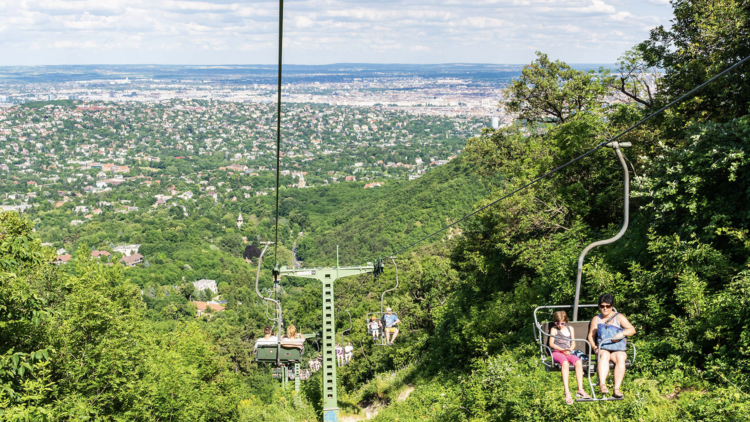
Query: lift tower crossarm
[328, 276]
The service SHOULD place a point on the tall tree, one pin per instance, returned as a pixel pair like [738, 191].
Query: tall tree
[706, 37]
[553, 92]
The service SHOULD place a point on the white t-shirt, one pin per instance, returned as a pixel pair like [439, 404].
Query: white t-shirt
[271, 340]
[348, 349]
[374, 325]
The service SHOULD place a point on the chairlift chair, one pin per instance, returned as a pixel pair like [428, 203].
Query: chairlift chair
[277, 352]
[542, 330]
[379, 266]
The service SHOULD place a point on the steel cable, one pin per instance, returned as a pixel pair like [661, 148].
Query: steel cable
[278, 130]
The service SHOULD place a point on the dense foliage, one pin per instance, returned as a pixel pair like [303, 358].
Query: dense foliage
[76, 346]
[382, 224]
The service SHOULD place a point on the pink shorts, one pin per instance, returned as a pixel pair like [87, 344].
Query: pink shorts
[560, 357]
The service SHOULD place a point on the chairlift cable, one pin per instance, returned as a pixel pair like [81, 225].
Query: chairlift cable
[278, 130]
[587, 153]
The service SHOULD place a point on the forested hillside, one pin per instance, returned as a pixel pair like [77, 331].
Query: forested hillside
[87, 341]
[380, 225]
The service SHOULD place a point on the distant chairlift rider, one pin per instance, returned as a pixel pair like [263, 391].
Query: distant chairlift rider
[390, 320]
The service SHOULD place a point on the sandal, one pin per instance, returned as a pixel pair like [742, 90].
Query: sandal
[618, 394]
[568, 398]
[582, 395]
[603, 389]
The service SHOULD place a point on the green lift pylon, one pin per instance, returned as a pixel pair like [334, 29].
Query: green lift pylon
[328, 276]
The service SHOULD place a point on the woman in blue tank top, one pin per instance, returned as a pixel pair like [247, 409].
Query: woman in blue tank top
[605, 325]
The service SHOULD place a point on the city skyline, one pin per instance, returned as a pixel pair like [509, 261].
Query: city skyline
[215, 32]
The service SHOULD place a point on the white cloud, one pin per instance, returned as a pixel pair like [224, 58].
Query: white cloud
[303, 22]
[324, 31]
[620, 16]
[87, 44]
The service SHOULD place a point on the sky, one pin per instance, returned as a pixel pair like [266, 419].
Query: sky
[214, 32]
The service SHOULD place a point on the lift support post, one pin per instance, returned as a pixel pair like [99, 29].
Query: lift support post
[328, 276]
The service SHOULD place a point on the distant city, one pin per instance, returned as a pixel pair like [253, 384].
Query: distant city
[470, 90]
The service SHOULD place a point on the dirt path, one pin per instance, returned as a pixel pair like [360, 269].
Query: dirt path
[372, 410]
[405, 394]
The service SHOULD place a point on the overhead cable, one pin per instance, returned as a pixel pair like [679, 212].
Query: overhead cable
[278, 130]
[587, 153]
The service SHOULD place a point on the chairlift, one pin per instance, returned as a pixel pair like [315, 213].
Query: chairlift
[542, 330]
[378, 267]
[380, 316]
[274, 352]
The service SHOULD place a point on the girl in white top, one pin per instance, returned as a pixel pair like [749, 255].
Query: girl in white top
[339, 354]
[348, 352]
[374, 327]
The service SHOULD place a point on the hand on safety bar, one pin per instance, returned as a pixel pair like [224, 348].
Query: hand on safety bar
[617, 340]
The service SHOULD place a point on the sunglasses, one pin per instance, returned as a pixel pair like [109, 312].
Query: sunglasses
[560, 323]
[605, 306]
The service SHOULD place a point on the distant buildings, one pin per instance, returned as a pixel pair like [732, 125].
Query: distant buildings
[204, 284]
[132, 260]
[62, 259]
[202, 306]
[127, 250]
[99, 254]
[17, 208]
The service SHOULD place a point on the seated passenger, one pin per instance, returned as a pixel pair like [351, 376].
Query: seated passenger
[339, 354]
[390, 319]
[562, 353]
[268, 337]
[374, 327]
[293, 339]
[348, 352]
[292, 334]
[610, 324]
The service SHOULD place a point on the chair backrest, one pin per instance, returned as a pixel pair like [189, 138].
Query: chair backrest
[267, 353]
[580, 328]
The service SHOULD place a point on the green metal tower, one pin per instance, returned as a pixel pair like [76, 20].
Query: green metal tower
[328, 276]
